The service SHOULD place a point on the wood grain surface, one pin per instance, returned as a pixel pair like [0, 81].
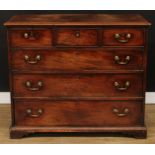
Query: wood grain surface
[78, 19]
[79, 32]
[77, 59]
[78, 85]
[78, 113]
[75, 138]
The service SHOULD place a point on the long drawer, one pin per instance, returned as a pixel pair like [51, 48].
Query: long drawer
[78, 113]
[77, 85]
[78, 59]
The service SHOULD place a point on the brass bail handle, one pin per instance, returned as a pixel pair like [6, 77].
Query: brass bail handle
[125, 62]
[122, 38]
[29, 86]
[30, 113]
[118, 87]
[29, 35]
[37, 58]
[121, 114]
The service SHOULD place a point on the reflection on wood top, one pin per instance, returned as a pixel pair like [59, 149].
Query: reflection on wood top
[78, 19]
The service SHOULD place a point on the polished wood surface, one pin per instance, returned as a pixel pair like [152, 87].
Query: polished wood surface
[137, 37]
[76, 37]
[78, 19]
[30, 37]
[78, 59]
[92, 61]
[78, 85]
[76, 138]
[78, 113]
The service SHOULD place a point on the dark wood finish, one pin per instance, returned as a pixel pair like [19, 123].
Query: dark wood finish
[78, 59]
[137, 132]
[78, 73]
[17, 134]
[76, 37]
[78, 113]
[137, 37]
[84, 85]
[29, 37]
[125, 20]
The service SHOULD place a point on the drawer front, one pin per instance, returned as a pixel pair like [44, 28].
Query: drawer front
[76, 37]
[30, 37]
[78, 59]
[123, 37]
[78, 113]
[84, 85]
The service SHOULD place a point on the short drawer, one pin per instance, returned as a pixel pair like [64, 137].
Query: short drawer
[77, 85]
[78, 113]
[78, 59]
[76, 37]
[30, 37]
[123, 37]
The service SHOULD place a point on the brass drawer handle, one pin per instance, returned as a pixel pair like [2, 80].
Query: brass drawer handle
[118, 87]
[30, 113]
[36, 59]
[29, 35]
[123, 37]
[29, 86]
[117, 60]
[121, 114]
[77, 34]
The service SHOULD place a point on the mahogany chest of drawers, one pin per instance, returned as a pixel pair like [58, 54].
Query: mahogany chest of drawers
[77, 73]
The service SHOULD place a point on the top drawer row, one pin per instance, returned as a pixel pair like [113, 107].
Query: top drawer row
[27, 37]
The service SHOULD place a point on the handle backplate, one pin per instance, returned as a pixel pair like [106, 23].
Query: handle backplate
[30, 86]
[122, 113]
[37, 58]
[30, 35]
[125, 62]
[122, 37]
[118, 87]
[30, 113]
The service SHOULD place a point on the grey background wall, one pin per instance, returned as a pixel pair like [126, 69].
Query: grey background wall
[6, 14]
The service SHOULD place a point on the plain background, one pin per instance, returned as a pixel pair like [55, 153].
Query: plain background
[6, 14]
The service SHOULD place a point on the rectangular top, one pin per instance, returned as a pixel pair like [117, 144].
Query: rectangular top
[78, 19]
